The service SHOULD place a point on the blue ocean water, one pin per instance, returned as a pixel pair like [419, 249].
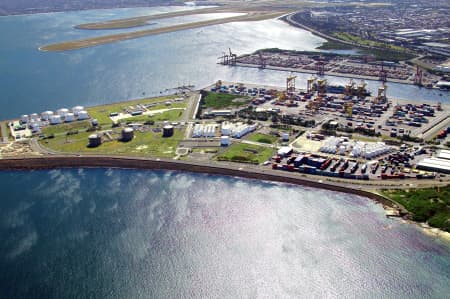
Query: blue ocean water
[33, 81]
[103, 233]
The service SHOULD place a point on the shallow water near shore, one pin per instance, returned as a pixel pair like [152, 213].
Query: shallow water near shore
[158, 234]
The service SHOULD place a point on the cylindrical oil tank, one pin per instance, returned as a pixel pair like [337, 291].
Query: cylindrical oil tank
[285, 136]
[94, 140]
[24, 119]
[76, 110]
[69, 117]
[168, 131]
[34, 116]
[62, 112]
[83, 115]
[55, 119]
[224, 140]
[46, 115]
[127, 134]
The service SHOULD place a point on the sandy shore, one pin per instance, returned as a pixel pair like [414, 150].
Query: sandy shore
[101, 40]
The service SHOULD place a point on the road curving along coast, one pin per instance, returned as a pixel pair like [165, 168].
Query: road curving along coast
[98, 161]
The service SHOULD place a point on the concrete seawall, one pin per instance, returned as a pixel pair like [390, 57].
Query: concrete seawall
[52, 162]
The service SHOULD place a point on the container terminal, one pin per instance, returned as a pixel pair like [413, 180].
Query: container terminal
[331, 132]
[344, 65]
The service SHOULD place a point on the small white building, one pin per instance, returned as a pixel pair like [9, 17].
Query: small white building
[285, 151]
[24, 119]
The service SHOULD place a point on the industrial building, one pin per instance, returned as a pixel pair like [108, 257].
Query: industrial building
[342, 146]
[204, 130]
[236, 130]
[434, 164]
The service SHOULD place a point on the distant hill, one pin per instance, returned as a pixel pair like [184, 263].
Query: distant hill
[12, 7]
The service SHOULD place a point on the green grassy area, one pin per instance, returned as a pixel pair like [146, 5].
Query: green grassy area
[263, 138]
[431, 205]
[223, 100]
[333, 45]
[365, 42]
[66, 127]
[171, 115]
[246, 153]
[143, 144]
[101, 113]
[387, 52]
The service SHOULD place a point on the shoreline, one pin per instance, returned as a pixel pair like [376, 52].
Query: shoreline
[103, 161]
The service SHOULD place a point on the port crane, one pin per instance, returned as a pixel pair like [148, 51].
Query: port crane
[224, 58]
[383, 73]
[418, 76]
[290, 83]
[262, 60]
[320, 67]
[233, 57]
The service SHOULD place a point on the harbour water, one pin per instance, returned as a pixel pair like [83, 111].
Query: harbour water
[34, 81]
[106, 233]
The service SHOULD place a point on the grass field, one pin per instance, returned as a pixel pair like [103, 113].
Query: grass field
[143, 144]
[431, 205]
[263, 138]
[333, 45]
[171, 115]
[101, 113]
[246, 153]
[385, 51]
[223, 100]
[66, 127]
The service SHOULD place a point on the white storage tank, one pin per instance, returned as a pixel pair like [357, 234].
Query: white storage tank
[35, 127]
[34, 116]
[24, 119]
[224, 140]
[62, 112]
[76, 110]
[55, 119]
[69, 117]
[46, 115]
[285, 136]
[83, 115]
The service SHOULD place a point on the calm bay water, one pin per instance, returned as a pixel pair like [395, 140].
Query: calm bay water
[145, 234]
[34, 81]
